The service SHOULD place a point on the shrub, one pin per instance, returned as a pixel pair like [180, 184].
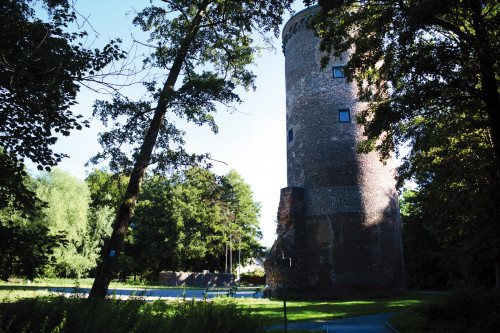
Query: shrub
[465, 310]
[253, 279]
[81, 315]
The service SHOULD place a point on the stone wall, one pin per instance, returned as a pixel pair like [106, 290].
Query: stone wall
[173, 279]
[291, 242]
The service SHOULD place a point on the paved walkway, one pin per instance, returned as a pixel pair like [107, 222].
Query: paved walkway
[368, 324]
[149, 294]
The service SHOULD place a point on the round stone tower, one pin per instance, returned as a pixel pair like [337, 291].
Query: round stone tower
[338, 218]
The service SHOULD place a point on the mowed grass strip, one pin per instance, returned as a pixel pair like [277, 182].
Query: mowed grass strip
[304, 311]
[87, 283]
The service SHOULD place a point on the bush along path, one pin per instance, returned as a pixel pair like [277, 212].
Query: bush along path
[111, 315]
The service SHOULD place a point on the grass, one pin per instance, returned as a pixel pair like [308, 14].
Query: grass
[303, 311]
[11, 292]
[80, 315]
[15, 293]
[87, 283]
[271, 310]
[462, 311]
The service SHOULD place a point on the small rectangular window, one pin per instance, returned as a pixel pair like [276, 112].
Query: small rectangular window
[344, 116]
[290, 135]
[338, 71]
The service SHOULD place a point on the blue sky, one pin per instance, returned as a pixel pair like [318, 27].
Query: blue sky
[252, 140]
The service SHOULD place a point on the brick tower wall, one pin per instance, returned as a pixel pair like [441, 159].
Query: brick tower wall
[351, 219]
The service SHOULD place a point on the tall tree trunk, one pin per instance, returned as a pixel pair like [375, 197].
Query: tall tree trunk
[497, 274]
[489, 84]
[230, 255]
[491, 98]
[115, 244]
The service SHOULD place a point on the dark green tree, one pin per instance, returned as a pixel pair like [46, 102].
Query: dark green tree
[152, 236]
[208, 45]
[106, 188]
[26, 251]
[25, 247]
[184, 223]
[451, 227]
[423, 252]
[242, 230]
[429, 72]
[16, 197]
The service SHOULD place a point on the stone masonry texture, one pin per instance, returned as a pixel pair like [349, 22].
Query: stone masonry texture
[338, 219]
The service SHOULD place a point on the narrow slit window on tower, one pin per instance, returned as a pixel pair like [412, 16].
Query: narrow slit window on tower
[338, 71]
[290, 135]
[344, 116]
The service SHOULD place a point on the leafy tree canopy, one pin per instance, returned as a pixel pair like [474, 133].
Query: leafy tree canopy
[26, 247]
[16, 197]
[185, 223]
[41, 69]
[26, 251]
[106, 188]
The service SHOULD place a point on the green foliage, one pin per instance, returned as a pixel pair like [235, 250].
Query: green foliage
[451, 227]
[25, 247]
[463, 310]
[26, 251]
[15, 196]
[58, 234]
[80, 315]
[422, 250]
[68, 211]
[106, 189]
[41, 69]
[184, 224]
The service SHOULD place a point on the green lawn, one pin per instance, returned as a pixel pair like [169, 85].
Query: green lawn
[461, 310]
[302, 311]
[10, 292]
[14, 293]
[271, 310]
[87, 283]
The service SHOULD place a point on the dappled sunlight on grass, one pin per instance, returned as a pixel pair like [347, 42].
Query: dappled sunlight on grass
[300, 311]
[272, 310]
[15, 293]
